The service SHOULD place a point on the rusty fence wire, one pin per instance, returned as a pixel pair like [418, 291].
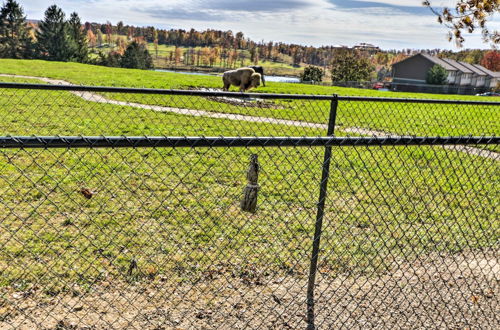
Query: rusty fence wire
[234, 211]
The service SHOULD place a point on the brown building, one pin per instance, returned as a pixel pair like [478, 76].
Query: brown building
[462, 77]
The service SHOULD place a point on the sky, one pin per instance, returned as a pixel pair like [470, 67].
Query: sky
[389, 24]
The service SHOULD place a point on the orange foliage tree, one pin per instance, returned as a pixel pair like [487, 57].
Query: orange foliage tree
[491, 60]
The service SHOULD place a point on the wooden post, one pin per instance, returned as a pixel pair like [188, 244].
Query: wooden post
[249, 201]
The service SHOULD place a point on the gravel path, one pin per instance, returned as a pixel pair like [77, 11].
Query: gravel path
[92, 97]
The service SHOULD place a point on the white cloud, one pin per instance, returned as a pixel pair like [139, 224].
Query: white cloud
[412, 3]
[310, 22]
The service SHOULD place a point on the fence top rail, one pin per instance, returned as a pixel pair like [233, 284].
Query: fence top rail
[17, 142]
[103, 89]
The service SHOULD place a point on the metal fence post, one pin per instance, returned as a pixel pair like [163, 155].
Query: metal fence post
[319, 216]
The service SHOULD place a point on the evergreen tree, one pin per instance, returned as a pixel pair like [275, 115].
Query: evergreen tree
[437, 75]
[53, 39]
[78, 38]
[137, 57]
[15, 41]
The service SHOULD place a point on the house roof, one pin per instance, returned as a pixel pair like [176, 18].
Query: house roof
[364, 44]
[457, 65]
[474, 69]
[452, 65]
[495, 74]
[438, 61]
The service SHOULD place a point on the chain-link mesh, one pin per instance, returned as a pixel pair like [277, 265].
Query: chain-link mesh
[131, 233]
[418, 119]
[59, 110]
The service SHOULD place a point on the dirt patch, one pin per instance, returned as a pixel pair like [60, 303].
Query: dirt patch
[454, 291]
[241, 102]
[440, 292]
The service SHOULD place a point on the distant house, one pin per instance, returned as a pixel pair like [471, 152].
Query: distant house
[492, 78]
[366, 47]
[463, 76]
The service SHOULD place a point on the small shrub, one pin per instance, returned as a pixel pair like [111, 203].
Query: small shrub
[312, 73]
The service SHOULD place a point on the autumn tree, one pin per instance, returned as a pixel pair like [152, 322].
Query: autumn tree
[214, 55]
[242, 57]
[91, 39]
[205, 56]
[121, 46]
[254, 56]
[15, 40]
[468, 15]
[178, 55]
[381, 59]
[491, 60]
[350, 66]
[109, 32]
[474, 56]
[398, 58]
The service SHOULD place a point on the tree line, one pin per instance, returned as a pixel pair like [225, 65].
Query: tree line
[60, 39]
[228, 42]
[56, 38]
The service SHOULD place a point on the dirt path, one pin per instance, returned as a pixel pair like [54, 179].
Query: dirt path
[435, 291]
[467, 149]
[92, 97]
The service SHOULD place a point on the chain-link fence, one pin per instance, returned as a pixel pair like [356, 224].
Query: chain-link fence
[124, 222]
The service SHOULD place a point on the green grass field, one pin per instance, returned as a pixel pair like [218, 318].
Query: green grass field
[398, 118]
[176, 211]
[83, 74]
[183, 219]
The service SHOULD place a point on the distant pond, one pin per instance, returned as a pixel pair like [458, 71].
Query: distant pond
[282, 79]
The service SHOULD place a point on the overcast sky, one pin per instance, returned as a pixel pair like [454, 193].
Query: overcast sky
[386, 23]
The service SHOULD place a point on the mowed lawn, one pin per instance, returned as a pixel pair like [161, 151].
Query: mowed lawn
[175, 212]
[397, 118]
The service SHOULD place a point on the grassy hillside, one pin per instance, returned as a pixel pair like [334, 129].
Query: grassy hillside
[103, 76]
[400, 118]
